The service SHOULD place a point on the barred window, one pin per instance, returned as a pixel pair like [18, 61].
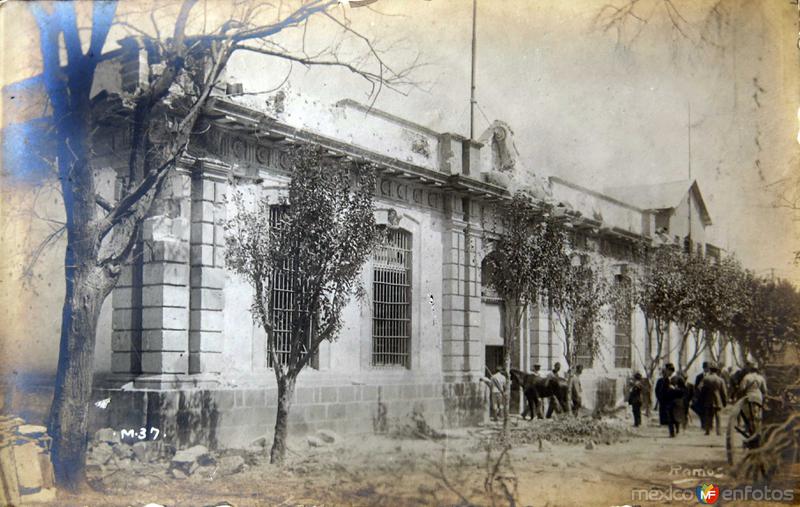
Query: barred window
[583, 354]
[283, 305]
[391, 296]
[622, 327]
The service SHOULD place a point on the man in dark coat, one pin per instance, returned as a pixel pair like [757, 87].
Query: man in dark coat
[635, 399]
[712, 397]
[666, 397]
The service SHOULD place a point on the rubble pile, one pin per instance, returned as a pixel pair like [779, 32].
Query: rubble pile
[26, 473]
[570, 430]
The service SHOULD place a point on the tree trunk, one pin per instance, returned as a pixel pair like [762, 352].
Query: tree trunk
[285, 393]
[69, 414]
[512, 314]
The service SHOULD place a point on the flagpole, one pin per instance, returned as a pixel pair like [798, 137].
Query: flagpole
[472, 81]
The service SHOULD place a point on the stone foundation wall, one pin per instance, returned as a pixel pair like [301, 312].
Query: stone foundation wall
[235, 417]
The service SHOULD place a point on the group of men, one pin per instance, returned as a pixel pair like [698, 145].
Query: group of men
[707, 396]
[497, 384]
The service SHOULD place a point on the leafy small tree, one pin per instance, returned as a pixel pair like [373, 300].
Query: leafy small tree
[724, 297]
[317, 245]
[522, 264]
[769, 322]
[657, 286]
[579, 298]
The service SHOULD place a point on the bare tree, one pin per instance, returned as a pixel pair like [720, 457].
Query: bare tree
[162, 115]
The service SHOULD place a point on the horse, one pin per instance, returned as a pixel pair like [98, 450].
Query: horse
[537, 389]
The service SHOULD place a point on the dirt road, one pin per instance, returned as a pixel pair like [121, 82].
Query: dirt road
[644, 468]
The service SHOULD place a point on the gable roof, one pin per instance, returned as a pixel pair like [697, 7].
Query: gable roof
[661, 196]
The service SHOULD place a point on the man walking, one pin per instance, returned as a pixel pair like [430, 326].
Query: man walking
[635, 399]
[576, 390]
[554, 379]
[754, 388]
[712, 397]
[665, 394]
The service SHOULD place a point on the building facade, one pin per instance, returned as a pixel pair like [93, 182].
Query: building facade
[187, 358]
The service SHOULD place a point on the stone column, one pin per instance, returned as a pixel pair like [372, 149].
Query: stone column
[165, 280]
[151, 299]
[209, 186]
[461, 305]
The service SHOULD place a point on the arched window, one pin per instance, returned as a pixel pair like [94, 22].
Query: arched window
[391, 300]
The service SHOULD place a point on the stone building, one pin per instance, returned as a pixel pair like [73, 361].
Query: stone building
[186, 357]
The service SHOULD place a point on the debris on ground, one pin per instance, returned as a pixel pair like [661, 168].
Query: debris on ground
[417, 427]
[567, 430]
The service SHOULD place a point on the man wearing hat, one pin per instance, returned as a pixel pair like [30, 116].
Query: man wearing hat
[754, 387]
[635, 399]
[712, 397]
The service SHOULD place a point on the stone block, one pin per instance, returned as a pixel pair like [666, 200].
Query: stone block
[29, 475]
[336, 411]
[125, 276]
[220, 191]
[207, 299]
[165, 362]
[176, 250]
[164, 339]
[317, 412]
[346, 394]
[219, 234]
[123, 362]
[205, 362]
[165, 317]
[122, 341]
[224, 400]
[165, 295]
[369, 393]
[122, 298]
[212, 278]
[202, 255]
[202, 189]
[255, 398]
[205, 341]
[304, 395]
[206, 320]
[390, 392]
[408, 392]
[123, 319]
[203, 211]
[328, 395]
[202, 233]
[165, 273]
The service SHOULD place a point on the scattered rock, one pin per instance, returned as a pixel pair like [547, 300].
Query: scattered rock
[141, 482]
[328, 436]
[177, 474]
[29, 475]
[589, 445]
[262, 442]
[187, 460]
[145, 452]
[31, 431]
[123, 451]
[544, 445]
[685, 483]
[101, 453]
[314, 442]
[106, 435]
[45, 495]
[231, 465]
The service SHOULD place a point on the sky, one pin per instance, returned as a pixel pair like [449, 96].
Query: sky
[604, 107]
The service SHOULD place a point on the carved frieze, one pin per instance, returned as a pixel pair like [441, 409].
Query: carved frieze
[408, 193]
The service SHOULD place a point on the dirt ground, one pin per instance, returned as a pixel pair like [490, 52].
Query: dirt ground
[391, 471]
